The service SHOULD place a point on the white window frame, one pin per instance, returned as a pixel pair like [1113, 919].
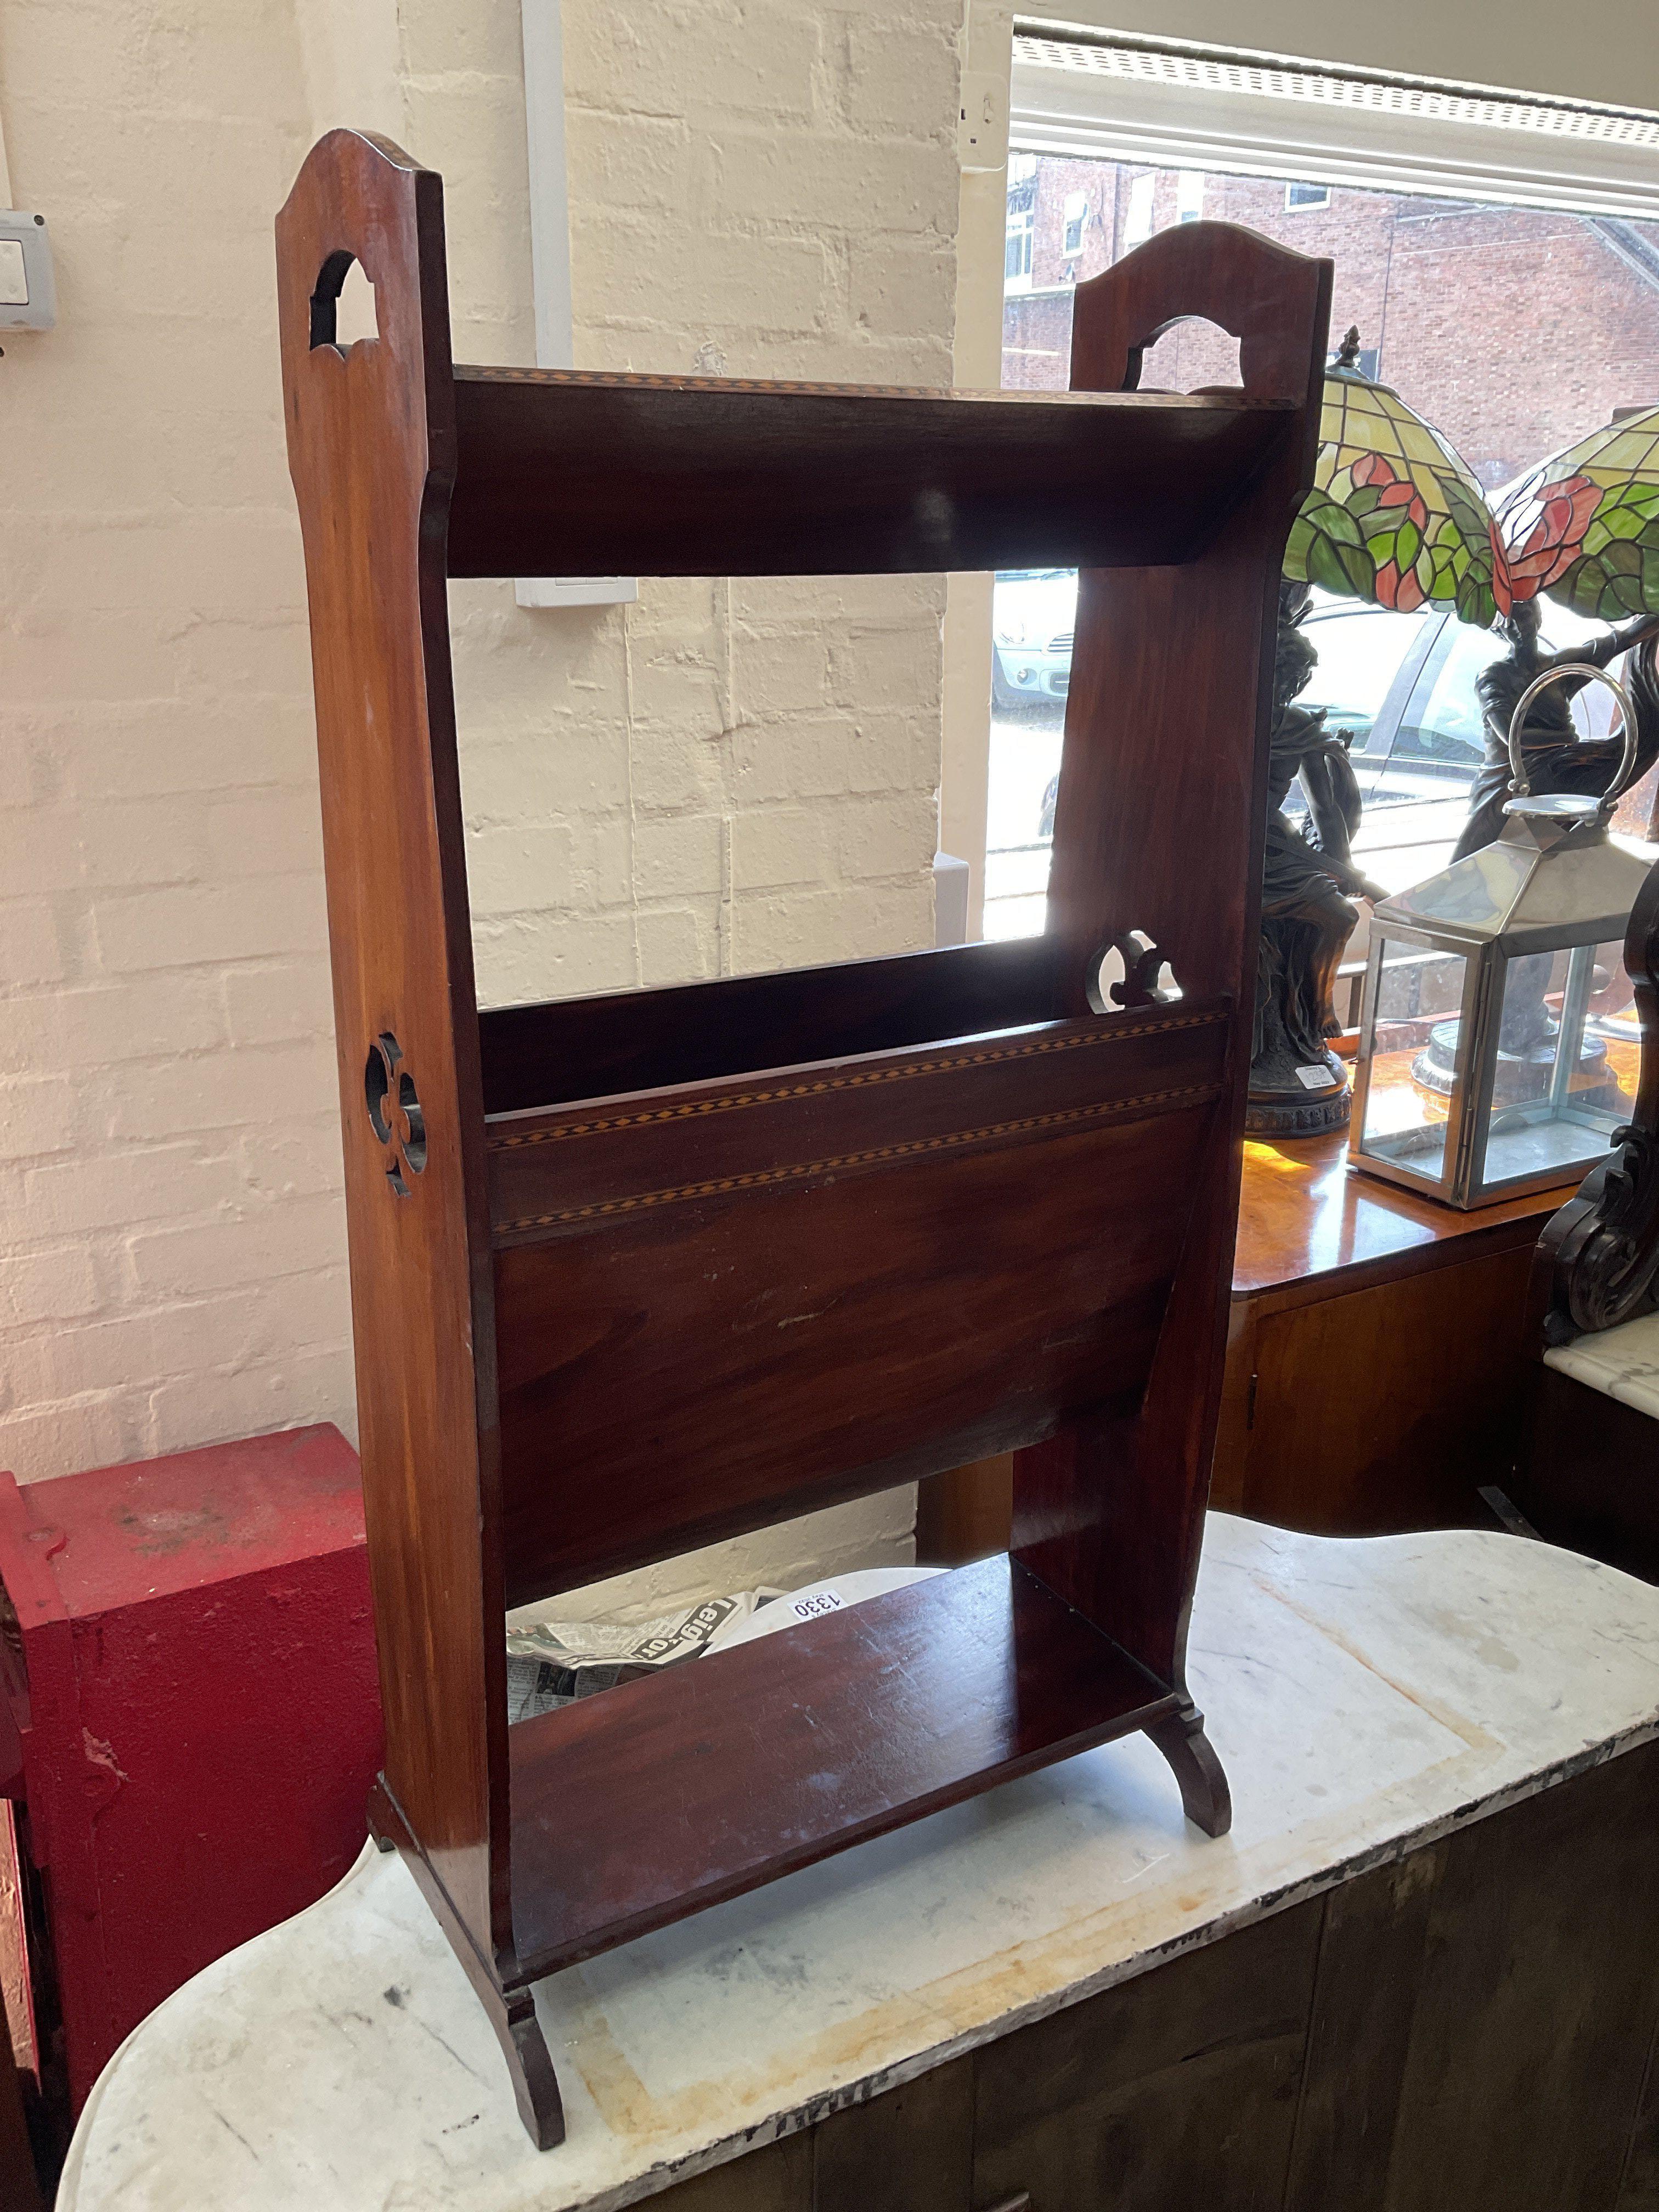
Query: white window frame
[1168, 104]
[1322, 195]
[542, 30]
[1074, 215]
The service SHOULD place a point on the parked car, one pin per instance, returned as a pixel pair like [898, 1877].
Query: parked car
[1031, 620]
[1403, 686]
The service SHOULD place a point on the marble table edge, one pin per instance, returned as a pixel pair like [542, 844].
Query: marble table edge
[795, 2119]
[1635, 1385]
[1621, 1363]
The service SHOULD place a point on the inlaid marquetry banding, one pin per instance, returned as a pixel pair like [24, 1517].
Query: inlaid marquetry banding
[876, 1155]
[694, 1109]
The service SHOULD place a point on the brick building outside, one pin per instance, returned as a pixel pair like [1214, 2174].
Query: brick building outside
[1514, 331]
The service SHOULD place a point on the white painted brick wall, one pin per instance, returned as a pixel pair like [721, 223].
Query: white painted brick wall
[726, 776]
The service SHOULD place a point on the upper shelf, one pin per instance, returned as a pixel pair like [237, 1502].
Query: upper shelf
[561, 472]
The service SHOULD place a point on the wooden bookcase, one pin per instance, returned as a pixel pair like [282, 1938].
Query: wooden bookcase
[991, 1189]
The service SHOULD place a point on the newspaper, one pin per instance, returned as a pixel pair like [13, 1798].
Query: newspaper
[554, 1662]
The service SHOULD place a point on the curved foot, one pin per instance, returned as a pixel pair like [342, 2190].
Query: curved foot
[383, 1822]
[511, 2012]
[1205, 1797]
[534, 2083]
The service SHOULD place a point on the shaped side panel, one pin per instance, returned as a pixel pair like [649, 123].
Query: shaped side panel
[371, 450]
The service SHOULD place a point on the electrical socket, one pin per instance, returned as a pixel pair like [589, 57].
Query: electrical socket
[28, 297]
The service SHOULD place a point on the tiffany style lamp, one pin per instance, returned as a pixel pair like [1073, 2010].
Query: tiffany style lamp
[1584, 525]
[1396, 518]
[1499, 1043]
[1583, 529]
[1393, 516]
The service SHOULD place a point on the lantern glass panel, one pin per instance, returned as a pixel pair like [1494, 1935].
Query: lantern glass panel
[1564, 1074]
[1419, 992]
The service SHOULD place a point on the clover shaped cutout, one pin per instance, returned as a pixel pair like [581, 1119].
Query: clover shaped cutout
[394, 1111]
[1130, 970]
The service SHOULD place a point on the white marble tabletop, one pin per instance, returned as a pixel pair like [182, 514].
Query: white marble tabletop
[1365, 1697]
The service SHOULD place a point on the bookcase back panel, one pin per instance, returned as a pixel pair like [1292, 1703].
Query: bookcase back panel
[846, 1284]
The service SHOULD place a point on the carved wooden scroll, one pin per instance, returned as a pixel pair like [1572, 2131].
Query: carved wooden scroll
[1598, 1258]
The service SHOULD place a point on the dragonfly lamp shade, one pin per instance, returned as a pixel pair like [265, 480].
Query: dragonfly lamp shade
[1499, 1044]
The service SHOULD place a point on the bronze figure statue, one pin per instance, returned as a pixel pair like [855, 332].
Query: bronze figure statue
[1298, 1084]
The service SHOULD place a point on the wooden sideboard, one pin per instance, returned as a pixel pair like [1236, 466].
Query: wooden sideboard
[1421, 1971]
[1394, 2046]
[1377, 1356]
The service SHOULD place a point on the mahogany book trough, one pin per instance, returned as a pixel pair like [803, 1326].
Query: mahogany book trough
[635, 1273]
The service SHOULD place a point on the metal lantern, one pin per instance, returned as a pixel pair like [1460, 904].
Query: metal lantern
[1498, 1043]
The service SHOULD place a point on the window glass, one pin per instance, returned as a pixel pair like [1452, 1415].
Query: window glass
[1442, 727]
[1441, 730]
[1406, 268]
[1138, 223]
[1032, 614]
[1362, 651]
[1016, 258]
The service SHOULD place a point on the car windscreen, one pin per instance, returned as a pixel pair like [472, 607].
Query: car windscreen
[1443, 725]
[1361, 651]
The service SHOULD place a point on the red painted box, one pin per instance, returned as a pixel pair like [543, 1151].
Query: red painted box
[192, 1717]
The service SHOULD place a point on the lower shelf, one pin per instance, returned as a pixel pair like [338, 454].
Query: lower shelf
[636, 1808]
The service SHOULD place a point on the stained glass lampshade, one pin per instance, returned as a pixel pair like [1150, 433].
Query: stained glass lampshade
[1584, 525]
[1393, 516]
